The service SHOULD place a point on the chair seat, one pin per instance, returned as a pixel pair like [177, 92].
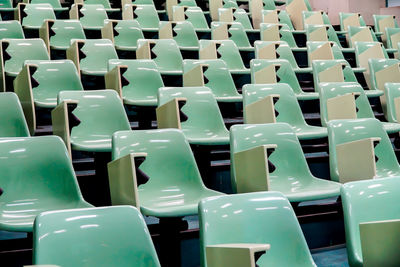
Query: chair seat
[347, 50]
[59, 47]
[59, 9]
[307, 132]
[102, 144]
[239, 71]
[373, 93]
[391, 127]
[140, 102]
[299, 49]
[183, 203]
[20, 216]
[99, 72]
[305, 189]
[307, 96]
[208, 138]
[125, 48]
[246, 49]
[170, 72]
[237, 98]
[303, 70]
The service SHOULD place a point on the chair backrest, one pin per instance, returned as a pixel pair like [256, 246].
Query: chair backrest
[344, 131]
[143, 79]
[12, 122]
[277, 32]
[199, 101]
[366, 50]
[100, 113]
[54, 3]
[49, 77]
[230, 31]
[192, 14]
[367, 201]
[234, 14]
[164, 52]
[275, 50]
[215, 75]
[243, 137]
[378, 68]
[350, 19]
[381, 22]
[287, 106]
[169, 161]
[100, 236]
[322, 33]
[277, 16]
[61, 32]
[264, 218]
[105, 3]
[123, 33]
[393, 37]
[215, 5]
[392, 91]
[338, 70]
[315, 18]
[263, 70]
[145, 15]
[169, 4]
[16, 51]
[96, 53]
[11, 29]
[323, 51]
[361, 34]
[331, 90]
[182, 32]
[222, 49]
[33, 15]
[90, 16]
[306, 2]
[6, 3]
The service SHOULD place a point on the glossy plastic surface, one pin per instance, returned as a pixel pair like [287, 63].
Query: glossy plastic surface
[363, 46]
[389, 33]
[98, 52]
[285, 34]
[219, 79]
[12, 121]
[392, 91]
[343, 16]
[55, 4]
[287, 106]
[330, 90]
[107, 236]
[236, 33]
[198, 129]
[147, 17]
[308, 5]
[185, 35]
[262, 218]
[129, 32]
[11, 29]
[343, 131]
[144, 81]
[376, 65]
[367, 201]
[36, 14]
[44, 180]
[196, 16]
[285, 74]
[65, 31]
[175, 186]
[21, 50]
[353, 30]
[292, 176]
[314, 45]
[105, 3]
[93, 17]
[377, 18]
[167, 55]
[101, 114]
[331, 35]
[53, 77]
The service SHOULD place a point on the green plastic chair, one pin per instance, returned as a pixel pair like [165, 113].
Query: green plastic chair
[57, 34]
[353, 31]
[47, 178]
[91, 55]
[192, 14]
[368, 201]
[350, 19]
[55, 4]
[145, 15]
[11, 29]
[267, 33]
[283, 74]
[170, 164]
[47, 78]
[182, 32]
[198, 129]
[290, 177]
[392, 40]
[91, 16]
[236, 15]
[6, 5]
[378, 19]
[98, 113]
[287, 106]
[225, 50]
[32, 16]
[12, 123]
[15, 51]
[308, 5]
[326, 51]
[105, 236]
[326, 71]
[169, 4]
[137, 81]
[306, 15]
[215, 5]
[123, 33]
[345, 131]
[392, 91]
[215, 75]
[282, 51]
[363, 111]
[281, 18]
[321, 33]
[231, 31]
[105, 3]
[164, 52]
[257, 219]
